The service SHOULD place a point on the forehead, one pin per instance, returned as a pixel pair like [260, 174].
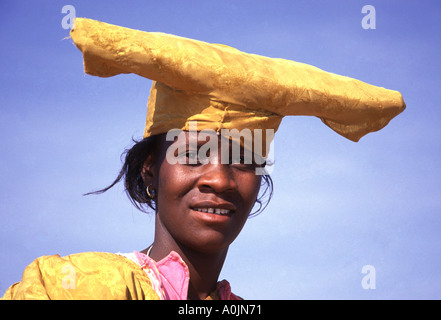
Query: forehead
[208, 138]
[185, 137]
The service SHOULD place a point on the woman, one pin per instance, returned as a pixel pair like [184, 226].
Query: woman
[201, 207]
[212, 113]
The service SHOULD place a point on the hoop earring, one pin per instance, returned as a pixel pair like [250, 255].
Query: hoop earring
[152, 193]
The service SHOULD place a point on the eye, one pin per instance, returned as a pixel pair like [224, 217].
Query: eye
[246, 162]
[187, 157]
[240, 162]
[242, 158]
[193, 157]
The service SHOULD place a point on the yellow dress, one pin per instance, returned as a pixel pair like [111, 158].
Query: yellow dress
[83, 276]
[108, 276]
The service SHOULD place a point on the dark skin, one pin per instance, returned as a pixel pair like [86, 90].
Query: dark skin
[183, 192]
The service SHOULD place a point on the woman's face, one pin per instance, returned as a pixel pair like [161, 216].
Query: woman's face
[202, 203]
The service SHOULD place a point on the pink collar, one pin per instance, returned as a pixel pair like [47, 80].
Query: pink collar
[170, 277]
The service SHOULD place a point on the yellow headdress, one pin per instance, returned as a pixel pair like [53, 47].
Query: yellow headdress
[223, 88]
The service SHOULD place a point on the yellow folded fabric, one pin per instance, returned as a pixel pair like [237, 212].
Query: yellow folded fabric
[82, 276]
[223, 88]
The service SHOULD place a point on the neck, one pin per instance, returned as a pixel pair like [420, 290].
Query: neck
[204, 268]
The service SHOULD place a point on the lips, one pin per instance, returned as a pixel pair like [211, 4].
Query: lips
[218, 208]
[214, 210]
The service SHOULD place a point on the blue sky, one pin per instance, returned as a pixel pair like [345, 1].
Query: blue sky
[337, 205]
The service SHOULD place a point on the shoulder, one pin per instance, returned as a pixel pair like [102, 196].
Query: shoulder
[87, 275]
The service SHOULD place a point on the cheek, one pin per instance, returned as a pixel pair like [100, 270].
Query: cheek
[173, 182]
[249, 187]
[173, 185]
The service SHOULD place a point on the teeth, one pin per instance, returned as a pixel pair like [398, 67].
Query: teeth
[214, 210]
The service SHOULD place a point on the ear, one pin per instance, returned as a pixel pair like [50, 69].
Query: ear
[148, 171]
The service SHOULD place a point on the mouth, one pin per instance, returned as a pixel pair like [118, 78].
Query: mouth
[221, 209]
[222, 212]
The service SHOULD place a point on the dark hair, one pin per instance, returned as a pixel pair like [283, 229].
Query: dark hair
[135, 188]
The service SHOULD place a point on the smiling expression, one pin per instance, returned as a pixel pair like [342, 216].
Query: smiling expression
[202, 206]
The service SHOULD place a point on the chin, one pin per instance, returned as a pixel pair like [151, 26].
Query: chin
[211, 243]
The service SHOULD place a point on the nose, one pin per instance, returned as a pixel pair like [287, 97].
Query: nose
[217, 177]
